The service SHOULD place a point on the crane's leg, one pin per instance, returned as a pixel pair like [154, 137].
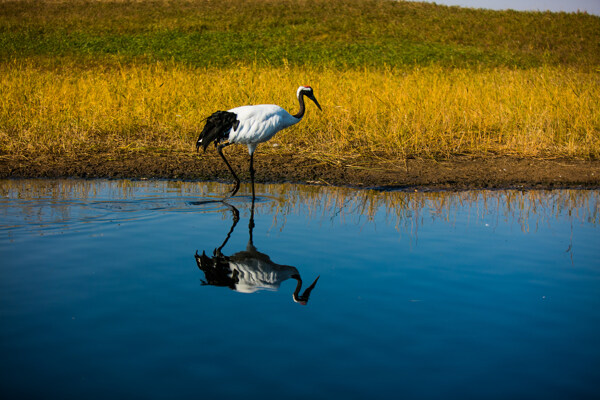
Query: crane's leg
[252, 174]
[237, 180]
[251, 222]
[236, 218]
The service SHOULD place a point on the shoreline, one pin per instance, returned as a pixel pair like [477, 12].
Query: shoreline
[455, 173]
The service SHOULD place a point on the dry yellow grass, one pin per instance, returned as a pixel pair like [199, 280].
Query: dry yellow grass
[387, 114]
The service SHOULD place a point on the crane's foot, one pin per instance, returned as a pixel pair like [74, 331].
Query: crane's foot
[233, 191]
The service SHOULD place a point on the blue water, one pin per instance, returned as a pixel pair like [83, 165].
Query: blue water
[489, 294]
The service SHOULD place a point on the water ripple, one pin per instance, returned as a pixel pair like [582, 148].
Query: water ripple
[50, 214]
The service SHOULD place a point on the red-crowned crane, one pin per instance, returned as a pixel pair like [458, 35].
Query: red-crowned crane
[250, 270]
[249, 125]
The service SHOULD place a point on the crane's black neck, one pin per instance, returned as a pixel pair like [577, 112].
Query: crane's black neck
[300, 113]
[302, 299]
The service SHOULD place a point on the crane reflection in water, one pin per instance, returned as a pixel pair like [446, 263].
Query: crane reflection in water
[248, 271]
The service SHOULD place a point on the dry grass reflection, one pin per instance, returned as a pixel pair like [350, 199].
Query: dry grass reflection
[406, 211]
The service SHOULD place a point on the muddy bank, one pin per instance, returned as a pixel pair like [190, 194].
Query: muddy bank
[457, 173]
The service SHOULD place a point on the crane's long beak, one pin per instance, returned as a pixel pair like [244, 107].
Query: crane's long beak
[313, 98]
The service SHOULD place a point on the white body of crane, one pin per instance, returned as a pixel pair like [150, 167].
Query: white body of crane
[259, 123]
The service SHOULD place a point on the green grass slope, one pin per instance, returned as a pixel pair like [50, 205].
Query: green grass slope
[328, 33]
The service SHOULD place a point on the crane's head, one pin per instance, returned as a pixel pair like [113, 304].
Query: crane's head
[308, 92]
[303, 298]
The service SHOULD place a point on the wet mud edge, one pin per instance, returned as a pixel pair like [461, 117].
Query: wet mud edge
[456, 173]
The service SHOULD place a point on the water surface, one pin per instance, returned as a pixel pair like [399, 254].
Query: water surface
[153, 289]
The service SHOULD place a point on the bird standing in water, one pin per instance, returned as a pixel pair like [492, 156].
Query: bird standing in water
[250, 270]
[250, 125]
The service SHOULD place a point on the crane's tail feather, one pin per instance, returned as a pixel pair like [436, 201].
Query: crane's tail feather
[217, 128]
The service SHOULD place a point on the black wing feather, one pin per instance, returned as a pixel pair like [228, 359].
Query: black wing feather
[217, 128]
